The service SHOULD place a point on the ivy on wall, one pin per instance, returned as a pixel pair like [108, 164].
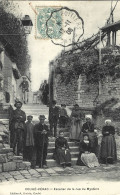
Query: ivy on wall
[13, 38]
[87, 63]
[108, 110]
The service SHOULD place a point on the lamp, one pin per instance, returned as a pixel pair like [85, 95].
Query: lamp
[27, 23]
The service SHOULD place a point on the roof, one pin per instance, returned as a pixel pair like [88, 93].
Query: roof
[111, 27]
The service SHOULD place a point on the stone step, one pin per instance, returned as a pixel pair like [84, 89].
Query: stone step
[72, 149]
[52, 163]
[52, 144]
[63, 129]
[52, 139]
[73, 155]
[4, 115]
[66, 134]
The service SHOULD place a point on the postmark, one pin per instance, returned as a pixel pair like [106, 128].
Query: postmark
[43, 14]
[70, 30]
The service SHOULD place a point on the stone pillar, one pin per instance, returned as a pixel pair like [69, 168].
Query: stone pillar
[79, 91]
[113, 38]
[108, 39]
[2, 97]
[51, 80]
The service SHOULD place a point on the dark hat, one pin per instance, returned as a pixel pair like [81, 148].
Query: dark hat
[63, 104]
[53, 102]
[29, 116]
[76, 105]
[17, 102]
[42, 117]
[61, 131]
[24, 77]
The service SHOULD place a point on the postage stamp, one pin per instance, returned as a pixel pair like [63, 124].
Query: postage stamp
[62, 25]
[53, 30]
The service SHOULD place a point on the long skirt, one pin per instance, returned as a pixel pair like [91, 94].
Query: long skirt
[94, 142]
[63, 156]
[108, 148]
[90, 160]
[75, 130]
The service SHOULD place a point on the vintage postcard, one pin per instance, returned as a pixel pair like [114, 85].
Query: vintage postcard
[59, 97]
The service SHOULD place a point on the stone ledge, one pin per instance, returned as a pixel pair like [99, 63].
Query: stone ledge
[9, 166]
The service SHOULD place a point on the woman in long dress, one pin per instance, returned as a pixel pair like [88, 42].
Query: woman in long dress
[75, 130]
[108, 152]
[62, 152]
[86, 157]
[88, 128]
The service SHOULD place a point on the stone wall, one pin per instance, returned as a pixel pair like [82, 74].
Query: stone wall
[65, 93]
[88, 94]
[70, 94]
[7, 72]
[109, 89]
[8, 160]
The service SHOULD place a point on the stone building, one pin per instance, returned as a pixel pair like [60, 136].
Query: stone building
[10, 75]
[88, 95]
[10, 80]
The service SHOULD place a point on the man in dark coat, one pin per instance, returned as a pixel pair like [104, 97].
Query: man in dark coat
[17, 128]
[53, 118]
[41, 142]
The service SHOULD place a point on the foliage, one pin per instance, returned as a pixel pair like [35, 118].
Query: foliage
[107, 109]
[87, 62]
[13, 38]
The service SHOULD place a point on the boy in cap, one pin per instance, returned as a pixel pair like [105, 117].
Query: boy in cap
[53, 118]
[41, 142]
[28, 139]
[63, 116]
[25, 89]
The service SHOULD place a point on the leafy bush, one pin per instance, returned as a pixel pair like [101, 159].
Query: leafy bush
[87, 63]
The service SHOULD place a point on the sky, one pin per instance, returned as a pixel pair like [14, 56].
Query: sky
[94, 14]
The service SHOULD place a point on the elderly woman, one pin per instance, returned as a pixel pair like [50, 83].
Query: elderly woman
[86, 156]
[75, 130]
[62, 153]
[88, 128]
[108, 152]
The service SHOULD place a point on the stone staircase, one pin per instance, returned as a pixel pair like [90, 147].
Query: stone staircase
[36, 110]
[74, 149]
[9, 161]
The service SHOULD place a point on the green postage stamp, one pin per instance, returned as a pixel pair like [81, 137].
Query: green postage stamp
[46, 27]
[62, 25]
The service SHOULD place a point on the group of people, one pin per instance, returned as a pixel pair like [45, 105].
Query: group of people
[27, 139]
[89, 152]
[31, 140]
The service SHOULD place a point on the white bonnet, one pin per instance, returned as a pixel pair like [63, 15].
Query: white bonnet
[108, 120]
[88, 116]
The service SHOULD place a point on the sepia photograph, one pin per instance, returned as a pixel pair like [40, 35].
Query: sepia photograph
[59, 97]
